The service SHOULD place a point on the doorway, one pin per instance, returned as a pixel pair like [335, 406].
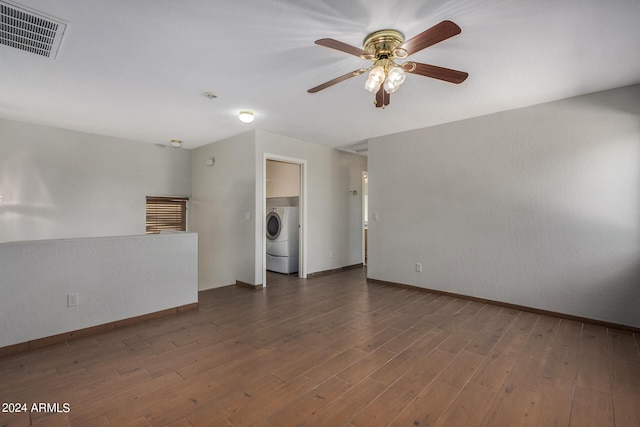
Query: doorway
[283, 216]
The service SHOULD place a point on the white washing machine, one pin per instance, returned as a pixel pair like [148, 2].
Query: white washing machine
[282, 239]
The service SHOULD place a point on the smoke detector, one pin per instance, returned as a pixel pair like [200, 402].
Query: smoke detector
[30, 31]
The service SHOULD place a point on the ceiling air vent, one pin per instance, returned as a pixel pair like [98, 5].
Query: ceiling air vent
[30, 31]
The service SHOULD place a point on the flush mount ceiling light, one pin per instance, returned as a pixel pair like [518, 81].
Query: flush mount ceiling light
[245, 116]
[176, 143]
[383, 47]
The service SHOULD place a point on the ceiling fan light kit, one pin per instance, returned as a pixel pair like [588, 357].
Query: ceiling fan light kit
[382, 47]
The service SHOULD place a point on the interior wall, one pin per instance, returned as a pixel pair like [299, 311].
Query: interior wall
[222, 210]
[538, 206]
[58, 183]
[334, 217]
[115, 278]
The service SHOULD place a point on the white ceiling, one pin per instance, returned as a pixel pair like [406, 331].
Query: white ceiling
[138, 69]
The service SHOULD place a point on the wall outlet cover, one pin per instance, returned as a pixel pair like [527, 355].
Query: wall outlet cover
[72, 299]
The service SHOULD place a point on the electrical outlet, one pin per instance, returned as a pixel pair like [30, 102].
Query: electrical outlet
[419, 267]
[72, 299]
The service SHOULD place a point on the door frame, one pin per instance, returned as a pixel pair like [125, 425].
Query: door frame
[302, 212]
[365, 221]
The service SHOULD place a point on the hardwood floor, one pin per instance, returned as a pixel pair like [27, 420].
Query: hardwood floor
[333, 351]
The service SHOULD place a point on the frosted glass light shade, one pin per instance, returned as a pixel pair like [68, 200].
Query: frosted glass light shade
[376, 77]
[395, 78]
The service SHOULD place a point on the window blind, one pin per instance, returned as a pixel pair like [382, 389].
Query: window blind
[166, 213]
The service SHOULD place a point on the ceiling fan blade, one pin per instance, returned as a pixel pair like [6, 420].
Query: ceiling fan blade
[440, 73]
[336, 80]
[433, 35]
[343, 47]
[382, 98]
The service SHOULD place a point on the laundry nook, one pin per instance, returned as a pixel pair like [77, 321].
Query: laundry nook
[282, 239]
[282, 222]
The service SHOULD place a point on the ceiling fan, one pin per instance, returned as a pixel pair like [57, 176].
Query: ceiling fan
[382, 47]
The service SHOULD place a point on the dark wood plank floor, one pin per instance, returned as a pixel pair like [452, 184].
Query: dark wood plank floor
[334, 351]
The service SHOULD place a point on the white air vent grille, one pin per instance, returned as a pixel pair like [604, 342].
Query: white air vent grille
[30, 31]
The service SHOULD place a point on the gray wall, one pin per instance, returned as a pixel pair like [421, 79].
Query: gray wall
[538, 206]
[115, 278]
[222, 196]
[228, 199]
[58, 183]
[333, 217]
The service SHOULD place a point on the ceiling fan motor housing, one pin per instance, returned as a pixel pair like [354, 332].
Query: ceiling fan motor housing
[383, 44]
